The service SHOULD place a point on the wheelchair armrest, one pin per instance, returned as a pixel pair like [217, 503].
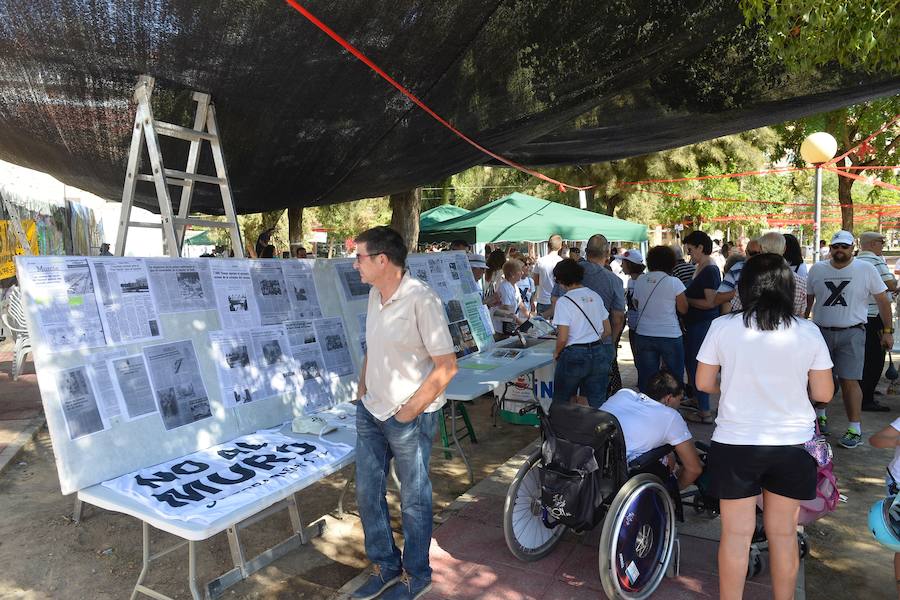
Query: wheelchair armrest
[648, 458]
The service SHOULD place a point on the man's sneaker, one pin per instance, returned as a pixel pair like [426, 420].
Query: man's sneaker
[377, 582]
[851, 439]
[823, 424]
[409, 588]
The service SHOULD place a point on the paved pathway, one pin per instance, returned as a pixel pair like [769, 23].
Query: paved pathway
[21, 413]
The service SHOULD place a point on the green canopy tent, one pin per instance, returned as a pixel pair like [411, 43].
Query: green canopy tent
[439, 214]
[200, 239]
[519, 217]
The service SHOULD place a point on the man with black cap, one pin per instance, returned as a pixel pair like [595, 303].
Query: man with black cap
[840, 290]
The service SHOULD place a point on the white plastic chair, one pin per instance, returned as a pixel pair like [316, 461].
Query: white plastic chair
[14, 322]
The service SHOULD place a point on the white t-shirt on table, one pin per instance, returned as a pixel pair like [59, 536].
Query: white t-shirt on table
[654, 297]
[842, 295]
[646, 423]
[764, 399]
[566, 313]
[894, 467]
[543, 268]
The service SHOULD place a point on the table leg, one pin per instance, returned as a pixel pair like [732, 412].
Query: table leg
[456, 441]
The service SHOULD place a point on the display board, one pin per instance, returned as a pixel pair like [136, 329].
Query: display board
[144, 360]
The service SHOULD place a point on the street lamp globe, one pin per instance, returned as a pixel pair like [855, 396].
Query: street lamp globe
[818, 147]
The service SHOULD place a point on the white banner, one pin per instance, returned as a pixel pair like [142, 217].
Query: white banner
[206, 485]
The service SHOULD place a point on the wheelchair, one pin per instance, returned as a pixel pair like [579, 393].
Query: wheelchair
[637, 503]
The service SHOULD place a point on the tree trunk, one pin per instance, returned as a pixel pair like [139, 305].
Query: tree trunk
[405, 216]
[612, 202]
[446, 190]
[295, 228]
[845, 198]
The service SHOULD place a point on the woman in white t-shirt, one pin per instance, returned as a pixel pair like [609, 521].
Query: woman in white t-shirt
[583, 361]
[658, 299]
[511, 312]
[769, 359]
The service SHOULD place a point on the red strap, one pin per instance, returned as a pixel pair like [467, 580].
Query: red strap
[362, 57]
[877, 182]
[724, 176]
[880, 130]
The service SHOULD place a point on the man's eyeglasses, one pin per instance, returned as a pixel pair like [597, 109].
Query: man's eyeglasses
[841, 246]
[358, 256]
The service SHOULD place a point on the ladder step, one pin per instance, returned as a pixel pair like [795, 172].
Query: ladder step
[145, 224]
[202, 222]
[174, 177]
[182, 133]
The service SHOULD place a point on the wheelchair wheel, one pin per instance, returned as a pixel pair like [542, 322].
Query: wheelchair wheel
[523, 516]
[637, 539]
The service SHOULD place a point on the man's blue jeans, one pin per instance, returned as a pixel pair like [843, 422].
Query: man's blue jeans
[586, 368]
[650, 350]
[409, 445]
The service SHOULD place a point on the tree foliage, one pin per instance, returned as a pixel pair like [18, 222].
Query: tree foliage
[850, 126]
[807, 35]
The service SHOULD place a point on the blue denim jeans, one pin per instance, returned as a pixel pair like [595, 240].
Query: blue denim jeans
[585, 368]
[693, 339]
[409, 445]
[650, 350]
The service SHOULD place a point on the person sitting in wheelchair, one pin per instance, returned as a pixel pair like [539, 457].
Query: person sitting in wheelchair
[651, 420]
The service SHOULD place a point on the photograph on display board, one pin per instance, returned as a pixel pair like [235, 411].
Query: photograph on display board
[271, 291]
[134, 386]
[79, 403]
[127, 308]
[64, 302]
[240, 381]
[181, 284]
[333, 342]
[233, 290]
[463, 340]
[302, 293]
[178, 386]
[351, 284]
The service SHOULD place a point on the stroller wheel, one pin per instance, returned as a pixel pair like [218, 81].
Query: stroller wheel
[756, 564]
[527, 536]
[802, 544]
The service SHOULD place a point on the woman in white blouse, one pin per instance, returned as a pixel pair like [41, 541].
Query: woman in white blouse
[772, 365]
[658, 299]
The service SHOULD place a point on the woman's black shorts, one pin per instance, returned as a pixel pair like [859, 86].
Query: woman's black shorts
[744, 471]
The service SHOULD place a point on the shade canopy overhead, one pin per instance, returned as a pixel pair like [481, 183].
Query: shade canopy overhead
[519, 217]
[440, 213]
[304, 123]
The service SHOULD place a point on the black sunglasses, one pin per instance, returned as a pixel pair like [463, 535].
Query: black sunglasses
[841, 246]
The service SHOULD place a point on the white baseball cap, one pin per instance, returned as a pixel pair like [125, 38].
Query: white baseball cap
[842, 237]
[633, 256]
[476, 261]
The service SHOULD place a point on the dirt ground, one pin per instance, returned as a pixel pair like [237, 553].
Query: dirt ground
[45, 555]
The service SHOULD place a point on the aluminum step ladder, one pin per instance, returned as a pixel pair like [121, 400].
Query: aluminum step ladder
[148, 129]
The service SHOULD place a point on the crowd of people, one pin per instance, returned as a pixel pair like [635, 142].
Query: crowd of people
[732, 321]
[751, 322]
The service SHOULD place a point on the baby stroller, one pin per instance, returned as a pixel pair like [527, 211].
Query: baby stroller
[578, 479]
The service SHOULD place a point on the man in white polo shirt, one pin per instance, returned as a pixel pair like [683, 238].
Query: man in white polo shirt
[543, 273]
[840, 289]
[408, 364]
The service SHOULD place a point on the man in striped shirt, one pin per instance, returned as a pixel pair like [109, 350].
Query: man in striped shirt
[871, 248]
[683, 270]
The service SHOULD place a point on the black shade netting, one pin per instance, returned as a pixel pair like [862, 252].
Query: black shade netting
[304, 123]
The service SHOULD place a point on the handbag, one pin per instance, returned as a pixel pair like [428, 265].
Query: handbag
[819, 448]
[585, 316]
